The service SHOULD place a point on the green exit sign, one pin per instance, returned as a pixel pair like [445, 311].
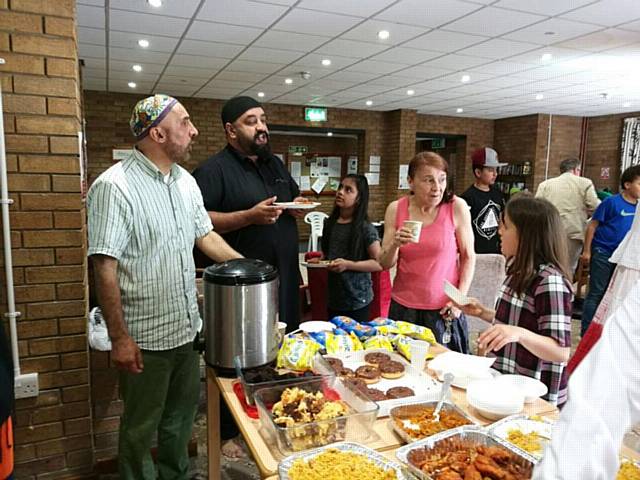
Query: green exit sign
[437, 143]
[298, 149]
[314, 114]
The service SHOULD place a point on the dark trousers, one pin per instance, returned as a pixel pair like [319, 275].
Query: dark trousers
[161, 400]
[600, 272]
[361, 315]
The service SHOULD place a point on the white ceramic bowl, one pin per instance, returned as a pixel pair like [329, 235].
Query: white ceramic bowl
[494, 400]
[530, 387]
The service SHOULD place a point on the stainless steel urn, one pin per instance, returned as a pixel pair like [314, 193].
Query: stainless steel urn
[240, 313]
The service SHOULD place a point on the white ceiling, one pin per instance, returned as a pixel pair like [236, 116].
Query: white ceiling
[222, 48]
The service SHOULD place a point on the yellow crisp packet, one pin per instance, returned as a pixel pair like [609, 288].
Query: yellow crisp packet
[390, 329]
[296, 353]
[379, 341]
[403, 345]
[342, 343]
[416, 331]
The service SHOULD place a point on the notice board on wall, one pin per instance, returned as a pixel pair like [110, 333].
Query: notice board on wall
[307, 170]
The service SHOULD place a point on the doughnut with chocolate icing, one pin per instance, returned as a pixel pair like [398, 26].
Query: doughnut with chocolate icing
[345, 372]
[375, 394]
[368, 373]
[334, 363]
[391, 369]
[400, 392]
[376, 358]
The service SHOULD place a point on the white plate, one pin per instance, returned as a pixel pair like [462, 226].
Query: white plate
[530, 387]
[454, 294]
[463, 380]
[493, 400]
[300, 206]
[316, 326]
[320, 264]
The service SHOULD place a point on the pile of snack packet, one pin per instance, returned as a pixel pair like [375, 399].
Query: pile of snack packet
[297, 351]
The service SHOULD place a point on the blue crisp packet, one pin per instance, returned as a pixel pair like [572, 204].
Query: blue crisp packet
[340, 331]
[319, 337]
[379, 322]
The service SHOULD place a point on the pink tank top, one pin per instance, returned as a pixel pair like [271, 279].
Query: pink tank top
[422, 267]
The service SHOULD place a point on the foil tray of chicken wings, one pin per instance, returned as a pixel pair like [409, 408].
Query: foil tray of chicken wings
[465, 453]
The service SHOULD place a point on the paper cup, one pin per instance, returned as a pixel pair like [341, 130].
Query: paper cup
[419, 350]
[415, 227]
[282, 328]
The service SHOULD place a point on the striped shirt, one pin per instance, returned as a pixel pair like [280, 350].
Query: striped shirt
[544, 308]
[149, 225]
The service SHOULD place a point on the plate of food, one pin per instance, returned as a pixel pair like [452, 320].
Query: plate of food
[332, 462]
[298, 205]
[415, 422]
[316, 263]
[528, 433]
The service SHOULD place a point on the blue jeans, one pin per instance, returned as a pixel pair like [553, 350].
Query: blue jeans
[600, 271]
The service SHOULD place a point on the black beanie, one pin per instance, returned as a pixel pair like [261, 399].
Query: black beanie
[235, 107]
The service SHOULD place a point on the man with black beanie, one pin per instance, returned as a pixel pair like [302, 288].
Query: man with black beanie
[240, 185]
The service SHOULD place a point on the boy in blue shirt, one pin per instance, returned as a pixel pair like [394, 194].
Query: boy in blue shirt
[610, 223]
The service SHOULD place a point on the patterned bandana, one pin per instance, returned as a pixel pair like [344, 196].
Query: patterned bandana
[148, 113]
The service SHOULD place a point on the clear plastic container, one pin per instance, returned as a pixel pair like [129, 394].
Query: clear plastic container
[355, 426]
[320, 368]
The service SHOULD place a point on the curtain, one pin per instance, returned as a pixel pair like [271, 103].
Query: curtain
[630, 143]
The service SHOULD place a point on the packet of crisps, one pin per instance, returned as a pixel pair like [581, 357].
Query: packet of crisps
[319, 337]
[297, 353]
[390, 329]
[403, 345]
[416, 331]
[378, 341]
[379, 322]
[342, 343]
[341, 321]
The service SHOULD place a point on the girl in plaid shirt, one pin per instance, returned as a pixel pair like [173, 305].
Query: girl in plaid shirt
[531, 325]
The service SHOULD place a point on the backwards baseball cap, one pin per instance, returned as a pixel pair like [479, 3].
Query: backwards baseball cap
[486, 157]
[235, 107]
[148, 113]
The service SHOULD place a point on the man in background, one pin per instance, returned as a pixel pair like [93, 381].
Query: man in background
[575, 198]
[485, 201]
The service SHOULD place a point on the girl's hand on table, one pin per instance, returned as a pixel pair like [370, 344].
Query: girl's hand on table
[497, 336]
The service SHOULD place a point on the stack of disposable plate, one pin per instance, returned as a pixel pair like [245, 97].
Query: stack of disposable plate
[494, 400]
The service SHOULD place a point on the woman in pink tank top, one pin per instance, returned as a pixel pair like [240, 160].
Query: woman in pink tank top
[444, 251]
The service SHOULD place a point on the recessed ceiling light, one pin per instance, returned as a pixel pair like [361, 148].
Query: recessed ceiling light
[465, 78]
[132, 84]
[546, 57]
[383, 34]
[539, 96]
[288, 81]
[626, 104]
[549, 33]
[410, 92]
[155, 3]
[137, 68]
[329, 134]
[368, 103]
[459, 110]
[143, 43]
[326, 62]
[261, 94]
[604, 95]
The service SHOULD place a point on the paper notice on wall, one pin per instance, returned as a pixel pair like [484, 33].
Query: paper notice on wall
[297, 180]
[335, 167]
[403, 173]
[305, 183]
[374, 168]
[319, 184]
[352, 166]
[374, 160]
[121, 154]
[280, 156]
[296, 169]
[373, 178]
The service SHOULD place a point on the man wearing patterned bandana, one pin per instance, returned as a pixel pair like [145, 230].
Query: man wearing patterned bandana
[144, 216]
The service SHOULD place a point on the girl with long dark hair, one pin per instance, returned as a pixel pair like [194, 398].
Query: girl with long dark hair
[352, 245]
[531, 331]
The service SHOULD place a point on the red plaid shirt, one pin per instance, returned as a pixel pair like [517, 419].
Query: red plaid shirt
[545, 308]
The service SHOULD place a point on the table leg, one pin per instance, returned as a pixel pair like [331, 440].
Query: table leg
[213, 426]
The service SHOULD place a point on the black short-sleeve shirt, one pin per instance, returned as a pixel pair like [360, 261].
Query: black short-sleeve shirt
[486, 210]
[231, 182]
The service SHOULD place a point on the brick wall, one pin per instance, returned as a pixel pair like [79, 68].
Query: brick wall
[603, 148]
[42, 117]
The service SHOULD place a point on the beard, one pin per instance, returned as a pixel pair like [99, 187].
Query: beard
[253, 148]
[178, 153]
